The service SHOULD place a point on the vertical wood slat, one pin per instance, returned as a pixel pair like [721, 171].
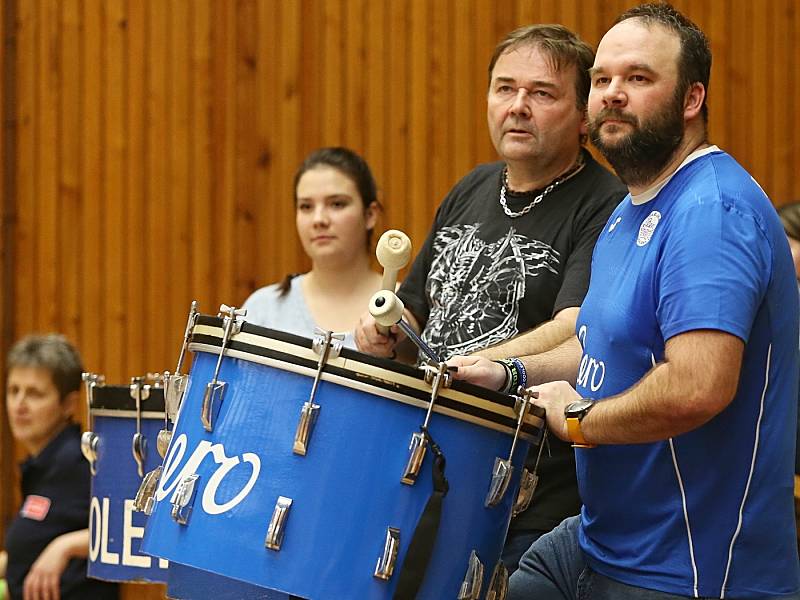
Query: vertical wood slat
[334, 72]
[46, 224]
[157, 141]
[419, 199]
[25, 290]
[759, 113]
[135, 268]
[794, 132]
[398, 126]
[780, 75]
[93, 282]
[298, 72]
[114, 192]
[200, 194]
[244, 251]
[69, 168]
[8, 15]
[373, 117]
[177, 203]
[157, 210]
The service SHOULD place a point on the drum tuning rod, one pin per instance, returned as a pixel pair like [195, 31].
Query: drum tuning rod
[393, 252]
[187, 334]
[387, 310]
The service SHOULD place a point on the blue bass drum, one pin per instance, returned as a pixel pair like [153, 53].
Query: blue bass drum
[115, 529]
[265, 485]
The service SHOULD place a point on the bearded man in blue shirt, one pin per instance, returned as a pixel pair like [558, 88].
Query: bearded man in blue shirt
[679, 389]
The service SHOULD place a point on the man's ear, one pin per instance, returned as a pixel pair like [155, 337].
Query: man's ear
[693, 101]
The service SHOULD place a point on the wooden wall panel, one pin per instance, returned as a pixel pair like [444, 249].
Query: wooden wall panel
[8, 480]
[149, 146]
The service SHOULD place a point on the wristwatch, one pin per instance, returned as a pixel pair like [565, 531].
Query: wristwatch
[574, 414]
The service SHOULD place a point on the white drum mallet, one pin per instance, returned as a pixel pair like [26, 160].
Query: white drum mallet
[393, 252]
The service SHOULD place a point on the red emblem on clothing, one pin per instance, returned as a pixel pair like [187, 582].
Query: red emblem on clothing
[35, 507]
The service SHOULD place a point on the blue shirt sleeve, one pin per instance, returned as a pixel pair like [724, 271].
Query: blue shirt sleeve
[714, 269]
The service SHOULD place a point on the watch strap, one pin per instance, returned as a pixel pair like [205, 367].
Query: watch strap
[576, 435]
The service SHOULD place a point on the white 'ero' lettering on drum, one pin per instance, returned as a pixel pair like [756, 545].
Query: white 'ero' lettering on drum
[592, 371]
[226, 464]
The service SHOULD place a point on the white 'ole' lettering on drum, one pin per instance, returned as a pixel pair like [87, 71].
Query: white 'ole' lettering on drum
[592, 371]
[169, 480]
[98, 542]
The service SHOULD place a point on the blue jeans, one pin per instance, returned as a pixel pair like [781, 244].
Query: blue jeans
[517, 544]
[555, 569]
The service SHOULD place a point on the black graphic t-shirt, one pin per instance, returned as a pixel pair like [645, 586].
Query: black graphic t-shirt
[482, 277]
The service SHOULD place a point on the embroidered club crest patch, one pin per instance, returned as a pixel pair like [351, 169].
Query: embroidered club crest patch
[35, 507]
[647, 228]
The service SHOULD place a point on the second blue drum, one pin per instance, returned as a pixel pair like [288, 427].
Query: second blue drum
[124, 422]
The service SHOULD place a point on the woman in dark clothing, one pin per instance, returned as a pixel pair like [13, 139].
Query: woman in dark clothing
[47, 542]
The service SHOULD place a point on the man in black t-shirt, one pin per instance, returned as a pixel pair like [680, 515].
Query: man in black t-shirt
[47, 542]
[510, 248]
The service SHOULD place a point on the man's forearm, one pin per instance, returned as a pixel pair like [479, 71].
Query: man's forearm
[676, 396]
[547, 336]
[653, 410]
[559, 364]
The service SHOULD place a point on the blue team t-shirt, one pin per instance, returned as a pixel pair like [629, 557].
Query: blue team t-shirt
[710, 512]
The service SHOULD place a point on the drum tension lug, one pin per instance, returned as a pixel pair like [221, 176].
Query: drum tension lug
[308, 417]
[175, 385]
[139, 392]
[386, 562]
[163, 440]
[417, 448]
[90, 440]
[471, 586]
[437, 376]
[183, 499]
[212, 400]
[501, 476]
[327, 345]
[503, 469]
[498, 585]
[145, 495]
[89, 443]
[215, 389]
[277, 523]
[527, 486]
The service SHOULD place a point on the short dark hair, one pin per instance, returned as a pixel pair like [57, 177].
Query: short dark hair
[562, 47]
[53, 353]
[694, 62]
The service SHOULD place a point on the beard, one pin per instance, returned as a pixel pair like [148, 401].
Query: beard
[642, 154]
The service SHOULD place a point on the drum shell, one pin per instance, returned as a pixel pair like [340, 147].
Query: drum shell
[115, 530]
[186, 583]
[346, 491]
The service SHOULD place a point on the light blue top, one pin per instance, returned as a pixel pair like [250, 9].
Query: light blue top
[289, 313]
[710, 512]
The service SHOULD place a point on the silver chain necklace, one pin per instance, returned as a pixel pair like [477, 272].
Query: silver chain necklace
[576, 168]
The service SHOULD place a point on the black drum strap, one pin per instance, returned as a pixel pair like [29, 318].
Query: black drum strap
[420, 549]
